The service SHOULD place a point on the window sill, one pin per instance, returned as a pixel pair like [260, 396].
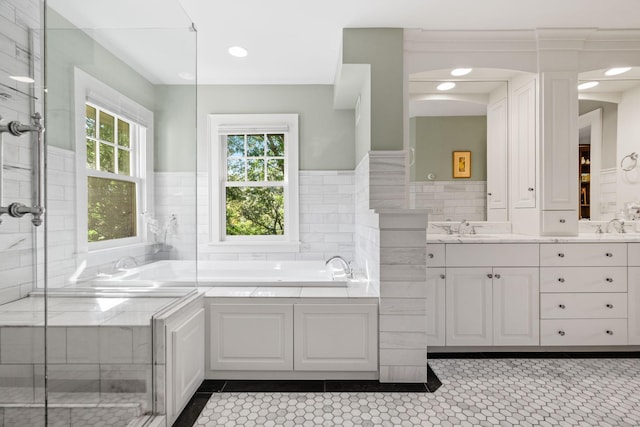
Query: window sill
[246, 247]
[96, 255]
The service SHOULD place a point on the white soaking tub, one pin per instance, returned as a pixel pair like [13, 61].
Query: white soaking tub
[226, 273]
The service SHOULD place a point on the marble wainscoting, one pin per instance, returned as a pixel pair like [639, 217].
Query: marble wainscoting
[450, 200]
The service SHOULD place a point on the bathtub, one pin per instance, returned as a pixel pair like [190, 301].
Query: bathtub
[225, 273]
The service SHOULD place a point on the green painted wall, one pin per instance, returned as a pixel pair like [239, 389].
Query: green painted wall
[383, 48]
[68, 47]
[437, 137]
[326, 135]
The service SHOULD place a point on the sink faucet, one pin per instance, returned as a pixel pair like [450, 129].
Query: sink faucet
[124, 262]
[345, 265]
[619, 227]
[463, 227]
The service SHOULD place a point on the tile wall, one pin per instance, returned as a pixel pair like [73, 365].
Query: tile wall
[450, 200]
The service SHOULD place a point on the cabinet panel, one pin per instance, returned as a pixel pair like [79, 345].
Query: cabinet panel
[583, 254]
[188, 359]
[251, 337]
[634, 305]
[523, 145]
[436, 306]
[583, 305]
[560, 222]
[490, 254]
[583, 332]
[634, 254]
[583, 279]
[469, 306]
[497, 160]
[515, 306]
[335, 337]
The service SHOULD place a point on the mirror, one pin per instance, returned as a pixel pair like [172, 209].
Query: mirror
[608, 135]
[470, 117]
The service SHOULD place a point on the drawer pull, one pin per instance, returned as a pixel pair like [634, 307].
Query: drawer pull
[561, 306]
[442, 276]
[561, 255]
[490, 275]
[562, 220]
[530, 189]
[609, 254]
[561, 279]
[430, 255]
[609, 305]
[609, 332]
[561, 333]
[609, 279]
[497, 276]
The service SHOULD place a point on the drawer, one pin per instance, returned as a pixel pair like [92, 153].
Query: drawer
[493, 254]
[583, 332]
[583, 254]
[583, 306]
[435, 255]
[560, 222]
[583, 279]
[634, 254]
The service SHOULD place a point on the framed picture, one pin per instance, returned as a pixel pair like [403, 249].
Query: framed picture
[462, 164]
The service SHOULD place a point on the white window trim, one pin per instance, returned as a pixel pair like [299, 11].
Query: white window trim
[219, 124]
[89, 89]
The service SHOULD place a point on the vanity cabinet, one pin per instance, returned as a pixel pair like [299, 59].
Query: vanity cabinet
[634, 293]
[523, 144]
[583, 299]
[435, 292]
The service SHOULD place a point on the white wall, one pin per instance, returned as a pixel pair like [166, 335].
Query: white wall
[628, 142]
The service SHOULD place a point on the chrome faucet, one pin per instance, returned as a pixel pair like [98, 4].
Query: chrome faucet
[464, 228]
[345, 265]
[123, 262]
[619, 227]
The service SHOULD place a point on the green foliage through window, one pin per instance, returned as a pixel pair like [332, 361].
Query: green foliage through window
[111, 209]
[255, 211]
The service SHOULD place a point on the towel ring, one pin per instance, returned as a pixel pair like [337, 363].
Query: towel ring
[631, 164]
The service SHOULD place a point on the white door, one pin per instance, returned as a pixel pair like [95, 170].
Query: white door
[435, 306]
[332, 337]
[497, 139]
[251, 337]
[516, 306]
[523, 145]
[469, 306]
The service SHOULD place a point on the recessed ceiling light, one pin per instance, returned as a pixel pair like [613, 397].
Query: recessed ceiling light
[460, 72]
[446, 86]
[22, 79]
[185, 75]
[587, 85]
[238, 51]
[616, 71]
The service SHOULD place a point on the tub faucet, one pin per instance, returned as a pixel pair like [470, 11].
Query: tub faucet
[619, 227]
[345, 265]
[123, 262]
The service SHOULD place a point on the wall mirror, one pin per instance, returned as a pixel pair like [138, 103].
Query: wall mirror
[450, 113]
[609, 134]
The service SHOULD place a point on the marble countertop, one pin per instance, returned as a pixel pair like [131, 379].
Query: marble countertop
[353, 290]
[522, 238]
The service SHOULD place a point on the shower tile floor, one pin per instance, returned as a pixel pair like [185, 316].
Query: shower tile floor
[475, 392]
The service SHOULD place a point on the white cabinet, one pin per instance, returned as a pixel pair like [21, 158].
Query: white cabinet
[492, 306]
[251, 337]
[436, 286]
[335, 337]
[634, 304]
[188, 359]
[469, 306]
[523, 144]
[497, 145]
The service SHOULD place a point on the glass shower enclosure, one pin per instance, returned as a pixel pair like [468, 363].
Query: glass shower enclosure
[97, 178]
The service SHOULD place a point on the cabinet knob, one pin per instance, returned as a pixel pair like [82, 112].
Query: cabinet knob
[561, 279]
[609, 306]
[442, 276]
[561, 306]
[561, 255]
[530, 189]
[609, 332]
[490, 275]
[430, 255]
[562, 220]
[561, 333]
[488, 194]
[609, 254]
[497, 276]
[609, 279]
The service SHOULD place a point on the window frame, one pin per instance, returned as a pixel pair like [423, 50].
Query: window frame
[221, 125]
[89, 90]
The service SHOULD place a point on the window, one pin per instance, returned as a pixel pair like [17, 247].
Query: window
[112, 167]
[255, 189]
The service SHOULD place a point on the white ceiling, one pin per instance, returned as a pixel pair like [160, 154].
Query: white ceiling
[298, 41]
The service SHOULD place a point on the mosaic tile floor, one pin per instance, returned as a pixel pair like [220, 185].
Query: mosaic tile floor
[474, 392]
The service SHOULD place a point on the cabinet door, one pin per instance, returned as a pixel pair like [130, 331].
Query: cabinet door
[634, 305]
[188, 360]
[251, 337]
[435, 306]
[516, 307]
[469, 306]
[497, 160]
[336, 337]
[523, 145]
